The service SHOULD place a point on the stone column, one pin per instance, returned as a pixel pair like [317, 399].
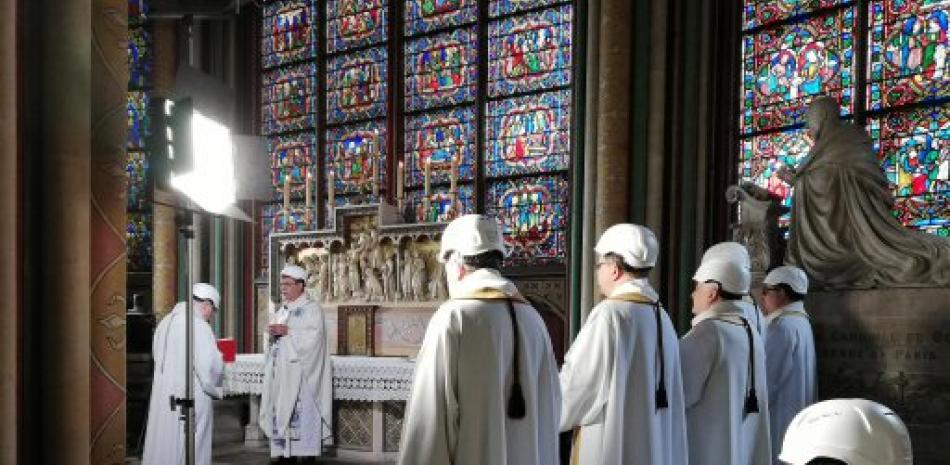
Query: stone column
[108, 216]
[9, 245]
[589, 182]
[164, 233]
[613, 114]
[63, 210]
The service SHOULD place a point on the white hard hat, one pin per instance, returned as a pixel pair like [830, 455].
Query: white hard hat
[855, 431]
[635, 244]
[793, 276]
[294, 272]
[729, 251]
[205, 291]
[733, 277]
[471, 235]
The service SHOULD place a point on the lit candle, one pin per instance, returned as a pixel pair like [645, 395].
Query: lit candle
[330, 188]
[399, 180]
[287, 191]
[428, 173]
[306, 182]
[453, 175]
[375, 178]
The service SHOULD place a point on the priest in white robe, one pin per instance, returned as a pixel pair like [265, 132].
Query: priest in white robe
[724, 383]
[165, 434]
[296, 402]
[739, 254]
[485, 389]
[790, 362]
[621, 380]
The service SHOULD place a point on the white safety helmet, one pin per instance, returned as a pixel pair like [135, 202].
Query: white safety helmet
[730, 251]
[470, 235]
[855, 431]
[205, 291]
[635, 244]
[294, 272]
[793, 276]
[731, 276]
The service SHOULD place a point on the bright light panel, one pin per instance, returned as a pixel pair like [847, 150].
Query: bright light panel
[211, 185]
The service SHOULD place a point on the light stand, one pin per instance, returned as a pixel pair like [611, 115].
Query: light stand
[187, 403]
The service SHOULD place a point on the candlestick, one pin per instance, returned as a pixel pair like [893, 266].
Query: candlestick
[375, 178]
[330, 189]
[428, 176]
[307, 189]
[453, 175]
[399, 180]
[287, 191]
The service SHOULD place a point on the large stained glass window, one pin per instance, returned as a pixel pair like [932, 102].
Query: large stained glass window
[476, 115]
[442, 69]
[288, 32]
[289, 98]
[794, 50]
[138, 185]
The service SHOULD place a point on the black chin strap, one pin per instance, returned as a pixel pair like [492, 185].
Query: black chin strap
[516, 404]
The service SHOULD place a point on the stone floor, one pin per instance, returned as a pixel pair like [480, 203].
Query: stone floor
[229, 448]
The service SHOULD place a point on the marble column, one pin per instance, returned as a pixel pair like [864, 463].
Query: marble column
[108, 223]
[613, 114]
[9, 246]
[164, 233]
[64, 83]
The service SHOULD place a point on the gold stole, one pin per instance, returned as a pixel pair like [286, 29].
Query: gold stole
[487, 293]
[635, 297]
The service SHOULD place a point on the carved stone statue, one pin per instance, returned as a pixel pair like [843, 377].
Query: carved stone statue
[373, 289]
[437, 284]
[758, 228]
[418, 277]
[341, 278]
[405, 280]
[389, 278]
[324, 274]
[356, 290]
[843, 233]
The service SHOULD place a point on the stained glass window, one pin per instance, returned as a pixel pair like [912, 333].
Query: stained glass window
[908, 52]
[288, 32]
[440, 137]
[291, 160]
[533, 213]
[442, 207]
[356, 156]
[441, 70]
[289, 101]
[528, 134]
[138, 9]
[765, 154]
[137, 111]
[357, 86]
[764, 12]
[137, 170]
[355, 23]
[530, 52]
[783, 67]
[503, 7]
[140, 57]
[289, 221]
[138, 236]
[914, 150]
[428, 15]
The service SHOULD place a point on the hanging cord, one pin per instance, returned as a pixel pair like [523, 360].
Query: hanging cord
[661, 398]
[516, 404]
[758, 315]
[751, 400]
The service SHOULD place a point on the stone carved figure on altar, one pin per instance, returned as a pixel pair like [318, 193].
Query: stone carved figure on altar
[373, 290]
[758, 229]
[843, 233]
[342, 278]
[389, 278]
[437, 284]
[405, 279]
[353, 268]
[324, 276]
[418, 270]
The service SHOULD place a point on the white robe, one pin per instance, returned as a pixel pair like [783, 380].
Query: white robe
[609, 382]
[456, 412]
[791, 367]
[715, 360]
[165, 435]
[753, 314]
[296, 402]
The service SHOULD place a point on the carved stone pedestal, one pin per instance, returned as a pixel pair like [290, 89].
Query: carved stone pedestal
[890, 346]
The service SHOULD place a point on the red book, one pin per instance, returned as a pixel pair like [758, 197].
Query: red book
[228, 348]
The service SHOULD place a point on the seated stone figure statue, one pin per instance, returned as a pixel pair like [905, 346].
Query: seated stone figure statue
[842, 232]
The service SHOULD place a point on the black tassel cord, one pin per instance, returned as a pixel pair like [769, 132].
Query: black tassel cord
[661, 398]
[751, 400]
[516, 404]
